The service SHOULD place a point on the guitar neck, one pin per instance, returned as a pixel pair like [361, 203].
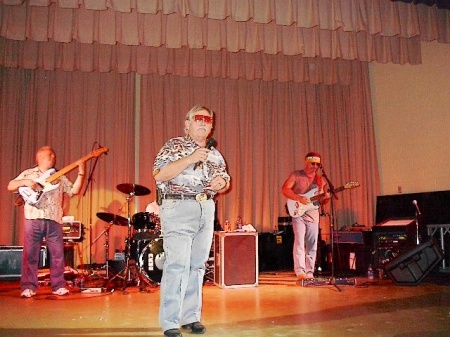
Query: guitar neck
[318, 196]
[67, 169]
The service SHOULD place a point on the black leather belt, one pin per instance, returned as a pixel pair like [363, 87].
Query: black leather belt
[200, 197]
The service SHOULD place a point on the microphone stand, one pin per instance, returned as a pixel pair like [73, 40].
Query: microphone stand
[332, 229]
[89, 185]
[417, 227]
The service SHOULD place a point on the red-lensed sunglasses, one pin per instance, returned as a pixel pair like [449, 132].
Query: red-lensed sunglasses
[206, 119]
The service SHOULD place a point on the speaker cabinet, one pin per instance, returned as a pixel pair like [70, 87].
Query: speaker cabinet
[235, 259]
[351, 258]
[411, 267]
[11, 260]
[275, 251]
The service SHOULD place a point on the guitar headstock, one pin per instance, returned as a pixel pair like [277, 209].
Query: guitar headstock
[351, 184]
[99, 151]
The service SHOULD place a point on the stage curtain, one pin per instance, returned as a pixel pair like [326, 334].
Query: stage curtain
[70, 111]
[284, 77]
[264, 129]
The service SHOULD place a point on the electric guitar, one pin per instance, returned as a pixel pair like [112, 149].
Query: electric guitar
[297, 209]
[45, 181]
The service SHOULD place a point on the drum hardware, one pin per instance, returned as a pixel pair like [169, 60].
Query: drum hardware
[125, 274]
[112, 219]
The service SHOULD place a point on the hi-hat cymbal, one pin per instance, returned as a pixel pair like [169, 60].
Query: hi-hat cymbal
[134, 189]
[113, 218]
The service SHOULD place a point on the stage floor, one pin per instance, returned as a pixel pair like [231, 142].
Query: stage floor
[276, 307]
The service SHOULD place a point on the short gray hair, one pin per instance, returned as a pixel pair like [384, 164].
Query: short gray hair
[198, 108]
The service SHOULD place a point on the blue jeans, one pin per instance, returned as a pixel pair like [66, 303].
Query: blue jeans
[35, 231]
[187, 228]
[305, 245]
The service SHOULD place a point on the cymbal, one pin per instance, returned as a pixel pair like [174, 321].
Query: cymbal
[113, 218]
[134, 189]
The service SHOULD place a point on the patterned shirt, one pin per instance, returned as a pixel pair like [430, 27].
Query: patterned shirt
[50, 204]
[189, 181]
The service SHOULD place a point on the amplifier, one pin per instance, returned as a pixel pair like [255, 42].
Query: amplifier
[73, 231]
[11, 260]
[397, 231]
[391, 238]
[359, 237]
[396, 225]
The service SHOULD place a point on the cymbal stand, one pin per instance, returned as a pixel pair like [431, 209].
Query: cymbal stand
[125, 274]
[106, 232]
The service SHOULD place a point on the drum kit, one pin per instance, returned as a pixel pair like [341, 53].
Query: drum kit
[144, 254]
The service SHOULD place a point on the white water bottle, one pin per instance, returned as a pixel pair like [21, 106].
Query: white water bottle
[370, 275]
[227, 226]
[239, 223]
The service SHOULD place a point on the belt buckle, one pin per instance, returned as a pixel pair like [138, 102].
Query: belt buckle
[201, 197]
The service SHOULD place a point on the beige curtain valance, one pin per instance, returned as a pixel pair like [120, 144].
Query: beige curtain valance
[365, 30]
[373, 16]
[76, 56]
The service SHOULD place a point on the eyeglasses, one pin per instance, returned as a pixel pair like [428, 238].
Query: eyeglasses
[206, 119]
[316, 164]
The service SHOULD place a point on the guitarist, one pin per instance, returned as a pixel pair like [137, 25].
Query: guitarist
[43, 220]
[305, 227]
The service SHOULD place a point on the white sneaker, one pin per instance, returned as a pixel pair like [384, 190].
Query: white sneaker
[28, 293]
[60, 292]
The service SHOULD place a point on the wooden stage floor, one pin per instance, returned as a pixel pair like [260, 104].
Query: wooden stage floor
[276, 307]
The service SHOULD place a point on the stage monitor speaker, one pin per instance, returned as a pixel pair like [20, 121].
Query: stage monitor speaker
[411, 267]
[11, 260]
[235, 259]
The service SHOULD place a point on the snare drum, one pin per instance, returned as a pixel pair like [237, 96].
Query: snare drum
[151, 260]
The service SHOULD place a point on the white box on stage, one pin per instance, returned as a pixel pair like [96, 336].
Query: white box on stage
[235, 259]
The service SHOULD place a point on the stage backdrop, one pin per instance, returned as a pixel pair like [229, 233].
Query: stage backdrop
[283, 80]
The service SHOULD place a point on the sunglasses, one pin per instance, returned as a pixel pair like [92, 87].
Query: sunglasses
[200, 118]
[316, 164]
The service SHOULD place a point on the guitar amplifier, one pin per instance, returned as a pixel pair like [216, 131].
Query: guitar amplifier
[391, 238]
[73, 231]
[357, 237]
[11, 260]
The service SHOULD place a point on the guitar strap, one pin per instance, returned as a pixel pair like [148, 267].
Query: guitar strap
[315, 183]
[319, 182]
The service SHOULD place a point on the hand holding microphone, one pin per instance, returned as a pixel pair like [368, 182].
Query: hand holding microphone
[210, 143]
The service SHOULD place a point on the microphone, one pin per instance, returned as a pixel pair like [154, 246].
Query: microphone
[210, 143]
[417, 206]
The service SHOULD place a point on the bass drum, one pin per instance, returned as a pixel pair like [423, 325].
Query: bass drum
[151, 260]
